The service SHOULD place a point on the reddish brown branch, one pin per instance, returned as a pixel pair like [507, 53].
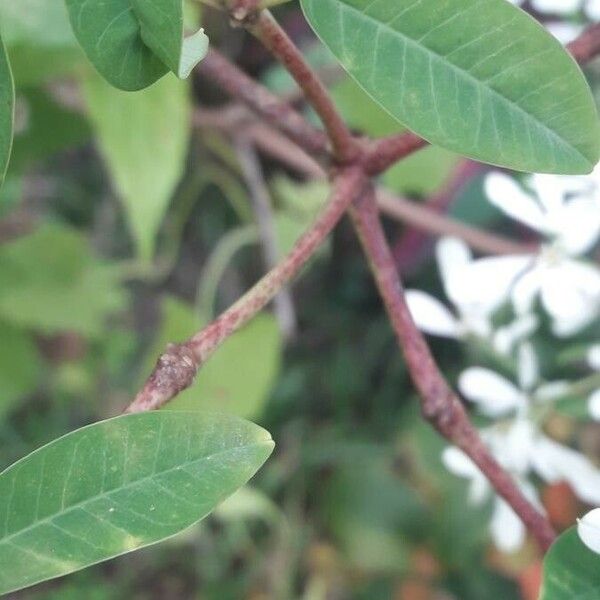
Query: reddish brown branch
[16, 224]
[242, 9]
[388, 151]
[440, 405]
[423, 219]
[427, 220]
[411, 248]
[238, 85]
[262, 204]
[176, 368]
[587, 45]
[268, 31]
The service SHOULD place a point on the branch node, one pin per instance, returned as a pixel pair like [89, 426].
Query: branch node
[175, 369]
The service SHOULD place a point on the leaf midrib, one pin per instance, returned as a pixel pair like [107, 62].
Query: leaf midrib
[50, 518]
[464, 73]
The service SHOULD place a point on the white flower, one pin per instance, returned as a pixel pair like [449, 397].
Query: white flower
[588, 528]
[593, 359]
[496, 396]
[474, 301]
[506, 528]
[523, 450]
[566, 210]
[472, 314]
[525, 447]
[518, 443]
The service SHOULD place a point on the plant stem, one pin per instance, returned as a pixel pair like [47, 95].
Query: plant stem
[411, 248]
[238, 85]
[439, 404]
[424, 218]
[418, 215]
[177, 367]
[269, 32]
[587, 46]
[216, 265]
[386, 152]
[261, 203]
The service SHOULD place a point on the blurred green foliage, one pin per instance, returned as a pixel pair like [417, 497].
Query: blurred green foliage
[355, 502]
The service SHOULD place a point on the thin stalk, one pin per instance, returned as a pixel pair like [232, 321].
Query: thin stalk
[439, 404]
[177, 367]
[276, 40]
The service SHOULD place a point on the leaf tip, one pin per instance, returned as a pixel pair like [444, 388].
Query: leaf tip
[193, 50]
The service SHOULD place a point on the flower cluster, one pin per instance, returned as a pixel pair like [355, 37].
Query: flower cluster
[502, 303]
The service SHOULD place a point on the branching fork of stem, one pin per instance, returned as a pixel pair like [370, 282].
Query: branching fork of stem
[351, 163]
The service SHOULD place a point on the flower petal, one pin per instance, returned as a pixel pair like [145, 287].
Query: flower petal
[559, 7]
[588, 528]
[431, 315]
[486, 283]
[526, 289]
[548, 392]
[594, 405]
[563, 32]
[457, 462]
[570, 291]
[577, 224]
[555, 462]
[564, 328]
[593, 357]
[513, 450]
[592, 10]
[527, 365]
[494, 395]
[452, 254]
[508, 531]
[506, 337]
[507, 195]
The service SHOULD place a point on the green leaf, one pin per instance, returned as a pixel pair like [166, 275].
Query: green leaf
[52, 282]
[143, 138]
[133, 43]
[39, 40]
[361, 112]
[422, 173]
[109, 33]
[162, 29]
[239, 377]
[300, 204]
[20, 366]
[7, 108]
[371, 511]
[478, 77]
[35, 22]
[571, 570]
[119, 485]
[48, 128]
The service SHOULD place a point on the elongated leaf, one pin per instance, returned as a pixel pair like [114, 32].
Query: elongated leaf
[133, 43]
[20, 366]
[571, 570]
[7, 107]
[162, 30]
[109, 33]
[479, 77]
[39, 40]
[143, 138]
[52, 282]
[115, 486]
